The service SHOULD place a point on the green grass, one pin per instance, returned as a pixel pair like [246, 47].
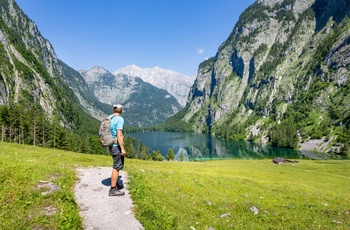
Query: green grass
[308, 195]
[180, 195]
[23, 168]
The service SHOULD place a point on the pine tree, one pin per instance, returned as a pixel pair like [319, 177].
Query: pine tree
[171, 154]
[182, 155]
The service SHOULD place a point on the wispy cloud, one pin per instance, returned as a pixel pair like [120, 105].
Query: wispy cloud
[200, 51]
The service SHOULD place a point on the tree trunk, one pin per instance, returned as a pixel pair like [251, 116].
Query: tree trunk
[34, 132]
[10, 134]
[2, 133]
[22, 135]
[43, 132]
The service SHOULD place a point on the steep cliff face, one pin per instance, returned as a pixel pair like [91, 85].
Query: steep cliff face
[31, 74]
[281, 56]
[18, 35]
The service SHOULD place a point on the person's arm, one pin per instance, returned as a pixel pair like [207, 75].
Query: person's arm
[121, 141]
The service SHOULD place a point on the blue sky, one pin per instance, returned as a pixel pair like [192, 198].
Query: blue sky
[171, 34]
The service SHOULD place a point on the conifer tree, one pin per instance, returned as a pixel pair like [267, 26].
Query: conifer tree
[171, 154]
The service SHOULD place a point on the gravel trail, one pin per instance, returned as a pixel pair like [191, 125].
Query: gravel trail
[98, 210]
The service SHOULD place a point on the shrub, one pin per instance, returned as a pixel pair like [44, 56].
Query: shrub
[156, 156]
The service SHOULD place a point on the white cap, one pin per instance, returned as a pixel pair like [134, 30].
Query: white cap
[118, 105]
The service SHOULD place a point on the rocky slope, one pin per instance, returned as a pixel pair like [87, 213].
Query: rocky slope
[284, 62]
[87, 99]
[30, 72]
[145, 104]
[177, 84]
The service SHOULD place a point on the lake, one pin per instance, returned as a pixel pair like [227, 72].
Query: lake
[201, 147]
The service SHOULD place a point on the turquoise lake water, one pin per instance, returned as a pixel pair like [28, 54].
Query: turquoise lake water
[200, 147]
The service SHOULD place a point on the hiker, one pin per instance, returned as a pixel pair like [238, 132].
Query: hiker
[117, 150]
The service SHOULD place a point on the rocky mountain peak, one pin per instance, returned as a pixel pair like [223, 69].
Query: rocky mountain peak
[145, 104]
[94, 71]
[177, 84]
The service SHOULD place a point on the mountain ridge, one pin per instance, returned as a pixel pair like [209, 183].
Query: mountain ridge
[37, 106]
[145, 104]
[277, 76]
[177, 84]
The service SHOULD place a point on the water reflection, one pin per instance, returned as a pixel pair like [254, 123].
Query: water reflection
[199, 147]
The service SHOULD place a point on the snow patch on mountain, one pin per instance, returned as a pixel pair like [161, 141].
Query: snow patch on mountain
[177, 84]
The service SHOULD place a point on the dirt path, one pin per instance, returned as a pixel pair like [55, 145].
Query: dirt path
[98, 210]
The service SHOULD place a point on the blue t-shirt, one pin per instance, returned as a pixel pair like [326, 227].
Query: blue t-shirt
[117, 122]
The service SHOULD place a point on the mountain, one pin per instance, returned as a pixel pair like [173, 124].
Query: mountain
[281, 77]
[145, 104]
[175, 83]
[87, 99]
[31, 73]
[41, 97]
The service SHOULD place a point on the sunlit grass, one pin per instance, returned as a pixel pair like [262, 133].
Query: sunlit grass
[24, 172]
[221, 194]
[179, 195]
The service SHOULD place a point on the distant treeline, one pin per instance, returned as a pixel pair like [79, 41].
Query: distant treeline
[22, 125]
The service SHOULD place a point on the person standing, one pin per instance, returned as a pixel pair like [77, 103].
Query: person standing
[117, 150]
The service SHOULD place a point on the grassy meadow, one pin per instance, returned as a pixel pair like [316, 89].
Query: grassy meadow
[228, 194]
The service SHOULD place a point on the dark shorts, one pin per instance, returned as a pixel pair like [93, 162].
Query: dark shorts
[118, 159]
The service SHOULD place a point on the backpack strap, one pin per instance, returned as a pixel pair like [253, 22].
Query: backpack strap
[111, 116]
[116, 138]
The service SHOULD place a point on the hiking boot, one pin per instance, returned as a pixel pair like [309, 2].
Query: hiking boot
[115, 192]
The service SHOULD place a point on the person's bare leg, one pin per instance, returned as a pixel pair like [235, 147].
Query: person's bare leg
[114, 191]
[114, 177]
